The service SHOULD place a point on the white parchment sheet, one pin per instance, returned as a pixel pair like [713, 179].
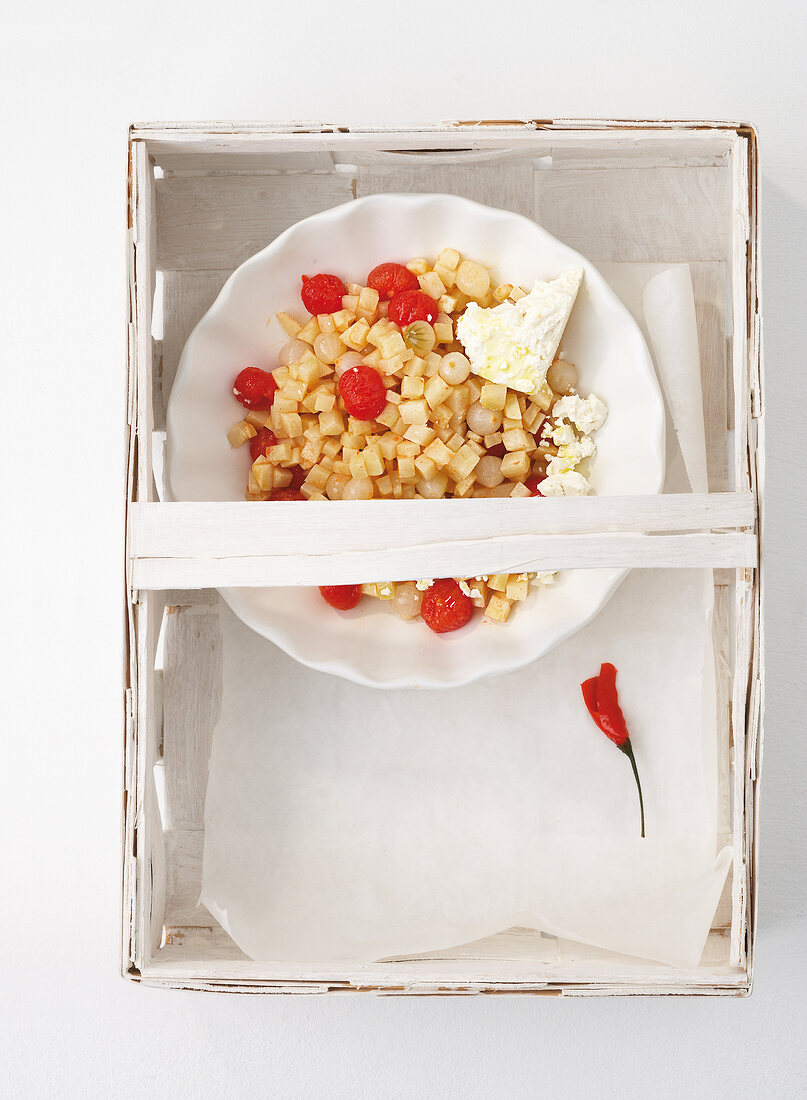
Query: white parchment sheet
[350, 824]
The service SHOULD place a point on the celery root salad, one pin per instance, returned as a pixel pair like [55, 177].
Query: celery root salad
[423, 381]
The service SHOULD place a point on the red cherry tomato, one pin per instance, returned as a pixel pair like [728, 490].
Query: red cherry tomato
[363, 392]
[445, 606]
[259, 443]
[285, 494]
[322, 293]
[255, 388]
[341, 596]
[391, 279]
[498, 451]
[532, 484]
[413, 305]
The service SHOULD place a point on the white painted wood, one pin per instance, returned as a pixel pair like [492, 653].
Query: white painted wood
[709, 282]
[216, 222]
[637, 214]
[142, 288]
[233, 528]
[187, 296]
[192, 544]
[521, 554]
[519, 958]
[504, 183]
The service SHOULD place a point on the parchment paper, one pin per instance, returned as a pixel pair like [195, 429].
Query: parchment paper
[348, 824]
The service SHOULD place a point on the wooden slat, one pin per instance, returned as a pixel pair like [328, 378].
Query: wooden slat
[216, 222]
[142, 293]
[240, 528]
[637, 214]
[506, 184]
[187, 296]
[192, 681]
[709, 291]
[519, 554]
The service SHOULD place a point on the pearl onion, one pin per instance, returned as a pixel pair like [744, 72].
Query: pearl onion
[472, 279]
[488, 471]
[328, 347]
[433, 487]
[562, 376]
[292, 352]
[406, 601]
[346, 361]
[335, 486]
[454, 368]
[358, 489]
[483, 421]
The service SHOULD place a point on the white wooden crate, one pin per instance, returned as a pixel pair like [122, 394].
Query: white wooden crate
[202, 199]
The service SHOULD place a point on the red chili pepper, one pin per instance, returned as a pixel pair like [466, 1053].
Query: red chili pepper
[601, 699]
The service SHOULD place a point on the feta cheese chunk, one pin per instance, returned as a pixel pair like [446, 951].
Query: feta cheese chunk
[586, 413]
[569, 484]
[514, 343]
[570, 455]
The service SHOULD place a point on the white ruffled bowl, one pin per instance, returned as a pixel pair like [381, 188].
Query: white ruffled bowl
[371, 645]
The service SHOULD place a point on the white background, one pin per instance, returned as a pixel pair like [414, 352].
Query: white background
[72, 77]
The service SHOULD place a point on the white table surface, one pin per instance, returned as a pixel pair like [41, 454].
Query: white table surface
[73, 76]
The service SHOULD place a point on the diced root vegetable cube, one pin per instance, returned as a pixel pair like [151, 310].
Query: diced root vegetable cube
[516, 465]
[288, 324]
[426, 468]
[414, 412]
[331, 423]
[411, 387]
[516, 294]
[449, 258]
[391, 344]
[373, 462]
[406, 469]
[544, 398]
[310, 331]
[418, 265]
[439, 453]
[436, 391]
[432, 284]
[257, 417]
[462, 463]
[444, 331]
[356, 336]
[498, 582]
[502, 292]
[241, 432]
[342, 319]
[517, 440]
[421, 434]
[368, 299]
[518, 587]
[498, 609]
[318, 476]
[520, 490]
[493, 396]
[463, 488]
[264, 475]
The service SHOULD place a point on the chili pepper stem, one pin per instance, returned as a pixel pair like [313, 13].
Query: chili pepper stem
[627, 748]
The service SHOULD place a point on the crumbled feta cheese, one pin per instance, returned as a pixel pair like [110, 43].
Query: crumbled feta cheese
[544, 580]
[567, 484]
[562, 433]
[475, 594]
[464, 587]
[514, 343]
[522, 577]
[384, 590]
[483, 578]
[422, 585]
[586, 413]
[570, 455]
